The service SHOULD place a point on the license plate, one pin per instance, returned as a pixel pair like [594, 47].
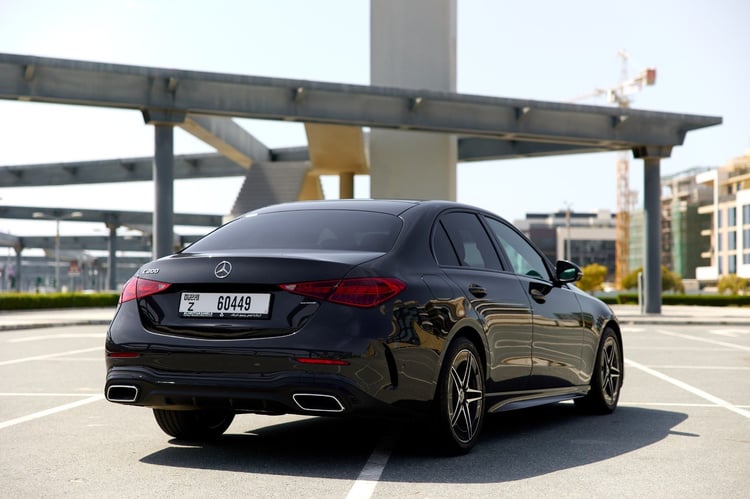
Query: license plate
[225, 305]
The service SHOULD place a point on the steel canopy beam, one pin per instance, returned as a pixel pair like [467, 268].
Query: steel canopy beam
[229, 138]
[92, 243]
[168, 90]
[120, 218]
[116, 170]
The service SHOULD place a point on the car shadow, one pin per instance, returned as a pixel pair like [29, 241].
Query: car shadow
[513, 446]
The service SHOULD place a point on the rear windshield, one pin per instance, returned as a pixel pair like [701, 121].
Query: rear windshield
[309, 229]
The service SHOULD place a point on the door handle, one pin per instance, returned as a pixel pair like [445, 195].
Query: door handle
[477, 290]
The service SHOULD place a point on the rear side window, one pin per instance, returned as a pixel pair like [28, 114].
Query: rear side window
[309, 230]
[471, 245]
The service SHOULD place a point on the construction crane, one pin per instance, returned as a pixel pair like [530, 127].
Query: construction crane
[620, 95]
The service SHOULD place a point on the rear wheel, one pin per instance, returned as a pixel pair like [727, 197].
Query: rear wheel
[606, 380]
[193, 425]
[460, 397]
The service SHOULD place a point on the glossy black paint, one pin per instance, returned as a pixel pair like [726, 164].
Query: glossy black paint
[536, 333]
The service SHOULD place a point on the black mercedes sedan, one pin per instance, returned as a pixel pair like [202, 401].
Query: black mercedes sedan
[381, 308]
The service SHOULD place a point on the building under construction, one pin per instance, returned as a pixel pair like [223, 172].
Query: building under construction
[683, 245]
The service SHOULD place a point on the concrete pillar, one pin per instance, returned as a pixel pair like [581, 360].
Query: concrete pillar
[19, 250]
[651, 156]
[346, 185]
[164, 122]
[163, 236]
[652, 239]
[413, 45]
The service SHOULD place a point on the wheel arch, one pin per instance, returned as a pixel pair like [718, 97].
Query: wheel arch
[477, 338]
[615, 327]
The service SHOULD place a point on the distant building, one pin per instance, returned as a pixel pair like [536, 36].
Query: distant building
[583, 238]
[683, 247]
[727, 238]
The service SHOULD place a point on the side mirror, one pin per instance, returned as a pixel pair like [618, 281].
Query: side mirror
[568, 271]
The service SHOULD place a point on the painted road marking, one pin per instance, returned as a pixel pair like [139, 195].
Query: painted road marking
[689, 388]
[49, 356]
[368, 478]
[49, 412]
[733, 346]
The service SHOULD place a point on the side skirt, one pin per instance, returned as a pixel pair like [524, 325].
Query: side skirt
[523, 399]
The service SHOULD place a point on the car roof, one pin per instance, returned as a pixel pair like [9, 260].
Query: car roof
[389, 206]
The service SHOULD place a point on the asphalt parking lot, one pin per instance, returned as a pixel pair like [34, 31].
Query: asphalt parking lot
[682, 429]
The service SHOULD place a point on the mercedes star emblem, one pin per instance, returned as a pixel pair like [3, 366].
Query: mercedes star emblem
[223, 269]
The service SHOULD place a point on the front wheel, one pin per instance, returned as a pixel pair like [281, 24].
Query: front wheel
[606, 380]
[460, 397]
[193, 425]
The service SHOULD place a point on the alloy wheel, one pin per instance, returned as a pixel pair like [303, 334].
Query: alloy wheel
[611, 370]
[465, 396]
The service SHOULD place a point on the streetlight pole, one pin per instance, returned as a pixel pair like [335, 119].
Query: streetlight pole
[57, 254]
[57, 216]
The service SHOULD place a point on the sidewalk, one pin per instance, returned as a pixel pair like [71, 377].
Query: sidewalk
[685, 314]
[12, 320]
[627, 314]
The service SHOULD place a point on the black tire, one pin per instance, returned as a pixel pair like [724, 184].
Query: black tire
[606, 378]
[460, 398]
[194, 425]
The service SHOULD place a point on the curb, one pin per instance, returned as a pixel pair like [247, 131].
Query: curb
[42, 325]
[683, 322]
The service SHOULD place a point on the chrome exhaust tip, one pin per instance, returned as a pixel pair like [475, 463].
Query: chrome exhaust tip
[122, 393]
[317, 402]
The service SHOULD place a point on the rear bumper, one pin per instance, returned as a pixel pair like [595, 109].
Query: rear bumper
[298, 393]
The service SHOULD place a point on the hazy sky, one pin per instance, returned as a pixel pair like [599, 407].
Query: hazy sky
[544, 50]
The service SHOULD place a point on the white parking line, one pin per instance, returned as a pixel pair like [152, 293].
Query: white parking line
[49, 356]
[733, 346]
[689, 388]
[706, 368]
[48, 412]
[368, 478]
[45, 337]
[671, 404]
[36, 394]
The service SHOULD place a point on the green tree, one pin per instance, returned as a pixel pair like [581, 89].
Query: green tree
[670, 281]
[732, 283]
[593, 277]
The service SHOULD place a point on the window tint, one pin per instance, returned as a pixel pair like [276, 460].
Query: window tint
[470, 241]
[310, 229]
[444, 252]
[523, 257]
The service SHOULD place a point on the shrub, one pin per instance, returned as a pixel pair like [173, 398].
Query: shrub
[30, 301]
[732, 283]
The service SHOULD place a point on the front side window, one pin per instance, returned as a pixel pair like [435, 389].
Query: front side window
[523, 257]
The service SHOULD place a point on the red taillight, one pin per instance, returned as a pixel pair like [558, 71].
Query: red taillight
[141, 288]
[357, 292]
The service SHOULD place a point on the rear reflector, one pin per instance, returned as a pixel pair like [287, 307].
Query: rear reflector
[360, 292]
[123, 355]
[322, 362]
